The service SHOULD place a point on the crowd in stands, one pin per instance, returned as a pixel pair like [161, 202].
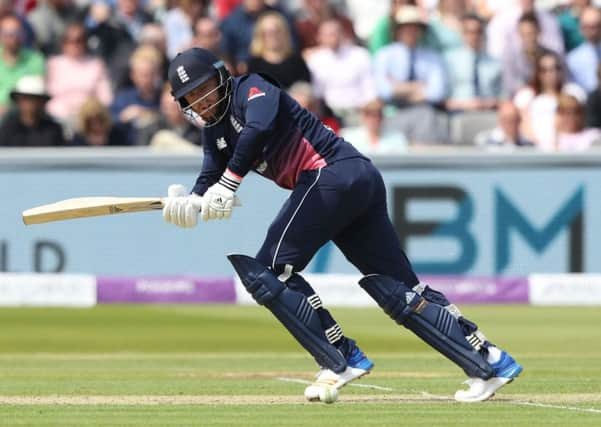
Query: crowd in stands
[386, 75]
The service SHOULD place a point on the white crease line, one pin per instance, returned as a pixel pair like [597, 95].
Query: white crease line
[446, 398]
[545, 405]
[523, 403]
[299, 381]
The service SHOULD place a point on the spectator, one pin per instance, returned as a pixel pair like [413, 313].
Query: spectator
[412, 78]
[7, 7]
[502, 29]
[302, 92]
[207, 35]
[407, 73]
[178, 24]
[132, 17]
[507, 134]
[474, 76]
[16, 61]
[593, 104]
[49, 20]
[272, 53]
[28, 125]
[371, 138]
[74, 76]
[569, 23]
[237, 30]
[172, 121]
[138, 106]
[583, 60]
[571, 133]
[313, 14]
[341, 72]
[383, 32]
[109, 39]
[445, 27]
[519, 60]
[154, 35]
[537, 102]
[95, 126]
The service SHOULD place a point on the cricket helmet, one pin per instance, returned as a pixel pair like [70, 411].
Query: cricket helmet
[192, 68]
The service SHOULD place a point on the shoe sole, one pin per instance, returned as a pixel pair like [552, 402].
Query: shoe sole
[483, 399]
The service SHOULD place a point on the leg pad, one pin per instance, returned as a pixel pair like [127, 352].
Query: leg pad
[430, 321]
[291, 308]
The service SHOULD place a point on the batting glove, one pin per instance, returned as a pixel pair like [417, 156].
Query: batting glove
[219, 199]
[181, 208]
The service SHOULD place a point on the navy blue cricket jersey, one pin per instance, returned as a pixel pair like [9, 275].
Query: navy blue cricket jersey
[265, 130]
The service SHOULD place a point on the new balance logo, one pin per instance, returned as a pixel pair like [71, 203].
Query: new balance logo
[182, 74]
[221, 144]
[255, 92]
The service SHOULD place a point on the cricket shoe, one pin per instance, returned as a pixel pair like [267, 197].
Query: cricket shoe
[357, 365]
[506, 369]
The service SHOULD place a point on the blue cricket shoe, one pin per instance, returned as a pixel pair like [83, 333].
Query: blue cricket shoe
[506, 369]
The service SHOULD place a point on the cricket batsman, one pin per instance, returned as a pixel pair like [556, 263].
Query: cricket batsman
[249, 123]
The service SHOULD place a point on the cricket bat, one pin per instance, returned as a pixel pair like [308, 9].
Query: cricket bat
[82, 207]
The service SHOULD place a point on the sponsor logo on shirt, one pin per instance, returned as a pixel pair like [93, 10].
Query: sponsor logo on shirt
[236, 124]
[182, 74]
[221, 144]
[255, 92]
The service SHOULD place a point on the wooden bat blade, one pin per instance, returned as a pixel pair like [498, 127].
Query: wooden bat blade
[89, 206]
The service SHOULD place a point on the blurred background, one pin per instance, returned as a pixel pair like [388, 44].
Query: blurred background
[484, 117]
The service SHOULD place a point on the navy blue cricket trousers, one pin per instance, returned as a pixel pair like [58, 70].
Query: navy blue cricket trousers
[344, 202]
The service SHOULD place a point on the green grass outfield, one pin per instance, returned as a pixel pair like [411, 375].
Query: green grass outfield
[227, 365]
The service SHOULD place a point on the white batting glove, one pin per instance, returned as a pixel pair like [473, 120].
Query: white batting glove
[219, 200]
[181, 208]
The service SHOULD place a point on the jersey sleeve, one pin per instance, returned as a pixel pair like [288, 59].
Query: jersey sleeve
[213, 166]
[261, 101]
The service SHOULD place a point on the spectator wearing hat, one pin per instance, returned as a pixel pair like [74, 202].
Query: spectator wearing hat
[28, 125]
[16, 61]
[412, 78]
[382, 33]
[474, 76]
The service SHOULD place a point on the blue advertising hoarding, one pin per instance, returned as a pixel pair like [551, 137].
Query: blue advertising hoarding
[454, 216]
